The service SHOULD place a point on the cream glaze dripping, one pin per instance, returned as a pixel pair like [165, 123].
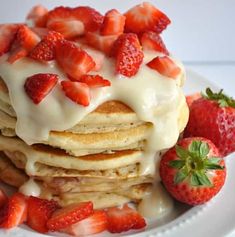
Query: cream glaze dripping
[152, 96]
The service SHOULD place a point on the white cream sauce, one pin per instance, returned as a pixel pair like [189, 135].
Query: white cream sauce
[30, 188]
[152, 96]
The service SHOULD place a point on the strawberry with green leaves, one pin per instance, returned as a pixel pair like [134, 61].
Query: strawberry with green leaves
[213, 117]
[193, 171]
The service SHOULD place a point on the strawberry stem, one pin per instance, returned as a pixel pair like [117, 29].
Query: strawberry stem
[193, 163]
[220, 97]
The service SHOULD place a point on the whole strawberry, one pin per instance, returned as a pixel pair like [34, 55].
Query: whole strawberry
[192, 171]
[213, 117]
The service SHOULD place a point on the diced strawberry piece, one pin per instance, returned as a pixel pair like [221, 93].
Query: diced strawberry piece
[73, 60]
[7, 36]
[146, 17]
[14, 212]
[25, 41]
[94, 224]
[77, 91]
[124, 219]
[40, 85]
[91, 18]
[94, 81]
[129, 55]
[41, 32]
[114, 23]
[97, 56]
[3, 198]
[69, 215]
[45, 50]
[27, 38]
[16, 54]
[191, 98]
[39, 212]
[38, 16]
[153, 41]
[68, 28]
[165, 66]
[103, 43]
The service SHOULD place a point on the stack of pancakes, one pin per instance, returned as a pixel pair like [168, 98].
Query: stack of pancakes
[97, 160]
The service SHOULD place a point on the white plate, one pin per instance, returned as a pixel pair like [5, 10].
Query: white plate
[216, 218]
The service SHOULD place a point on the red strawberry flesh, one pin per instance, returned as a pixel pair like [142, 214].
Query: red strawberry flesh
[39, 86]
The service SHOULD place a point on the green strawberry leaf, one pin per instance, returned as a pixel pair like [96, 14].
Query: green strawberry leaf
[194, 180]
[203, 150]
[180, 176]
[181, 152]
[194, 147]
[213, 167]
[214, 160]
[222, 99]
[178, 164]
[202, 178]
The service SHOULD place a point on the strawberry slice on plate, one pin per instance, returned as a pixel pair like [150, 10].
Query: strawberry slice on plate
[94, 81]
[14, 212]
[38, 86]
[145, 17]
[72, 59]
[94, 224]
[165, 66]
[69, 215]
[45, 50]
[114, 23]
[7, 36]
[39, 212]
[124, 219]
[77, 91]
[128, 53]
[153, 41]
[38, 16]
[193, 171]
[102, 42]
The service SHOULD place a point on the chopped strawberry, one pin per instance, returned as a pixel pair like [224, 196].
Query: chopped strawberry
[41, 32]
[27, 38]
[191, 98]
[165, 66]
[25, 41]
[128, 53]
[45, 50]
[74, 21]
[38, 16]
[97, 56]
[73, 60]
[146, 17]
[124, 219]
[114, 23]
[91, 18]
[103, 43]
[61, 19]
[16, 54]
[68, 28]
[153, 41]
[69, 215]
[40, 85]
[39, 212]
[94, 81]
[3, 198]
[14, 212]
[7, 36]
[94, 224]
[77, 91]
